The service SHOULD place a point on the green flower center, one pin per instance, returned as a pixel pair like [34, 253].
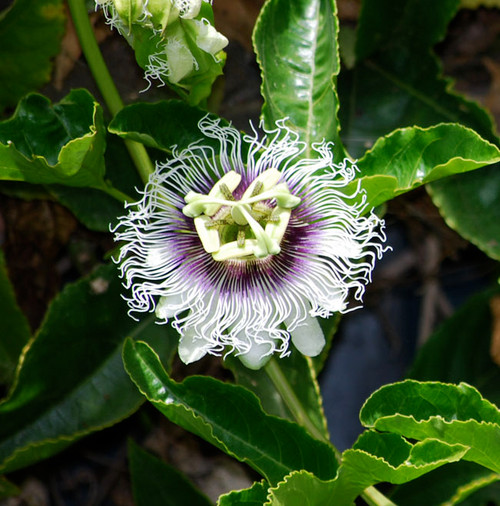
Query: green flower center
[248, 228]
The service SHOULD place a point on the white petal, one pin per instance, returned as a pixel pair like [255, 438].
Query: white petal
[168, 306]
[191, 349]
[308, 337]
[257, 356]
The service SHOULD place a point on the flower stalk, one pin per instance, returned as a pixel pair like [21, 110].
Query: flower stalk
[105, 82]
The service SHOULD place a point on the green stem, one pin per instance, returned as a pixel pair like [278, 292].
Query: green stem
[371, 495]
[293, 403]
[105, 82]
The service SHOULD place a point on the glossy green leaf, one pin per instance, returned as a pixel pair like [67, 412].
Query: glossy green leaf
[161, 125]
[459, 350]
[72, 380]
[30, 36]
[14, 328]
[375, 458]
[297, 373]
[448, 485]
[229, 417]
[96, 209]
[411, 157]
[62, 143]
[155, 483]
[254, 496]
[296, 45]
[470, 204]
[387, 89]
[454, 414]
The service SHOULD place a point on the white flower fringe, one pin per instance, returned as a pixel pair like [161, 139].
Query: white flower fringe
[243, 306]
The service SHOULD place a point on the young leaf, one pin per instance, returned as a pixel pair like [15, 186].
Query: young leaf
[411, 157]
[179, 127]
[229, 417]
[459, 350]
[71, 380]
[254, 496]
[62, 143]
[296, 46]
[30, 36]
[155, 483]
[454, 414]
[375, 458]
[14, 328]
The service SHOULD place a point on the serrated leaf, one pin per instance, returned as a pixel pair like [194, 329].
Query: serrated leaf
[296, 46]
[387, 90]
[459, 350]
[161, 125]
[375, 458]
[30, 36]
[155, 483]
[62, 143]
[229, 417]
[253, 496]
[14, 328]
[411, 157]
[297, 373]
[79, 342]
[454, 414]
[445, 486]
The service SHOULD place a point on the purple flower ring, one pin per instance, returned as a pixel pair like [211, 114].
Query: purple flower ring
[242, 247]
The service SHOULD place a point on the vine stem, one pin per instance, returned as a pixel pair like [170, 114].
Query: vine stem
[371, 495]
[105, 82]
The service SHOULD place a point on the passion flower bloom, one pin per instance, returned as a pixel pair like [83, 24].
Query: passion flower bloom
[241, 242]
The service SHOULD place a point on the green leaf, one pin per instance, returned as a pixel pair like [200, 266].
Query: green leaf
[7, 489]
[254, 496]
[62, 143]
[387, 89]
[72, 380]
[375, 458]
[470, 205]
[178, 125]
[298, 373]
[454, 414]
[448, 485]
[14, 328]
[460, 349]
[229, 417]
[30, 36]
[296, 46]
[94, 208]
[155, 483]
[411, 157]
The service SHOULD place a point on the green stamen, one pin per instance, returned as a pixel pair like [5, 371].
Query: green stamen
[247, 228]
